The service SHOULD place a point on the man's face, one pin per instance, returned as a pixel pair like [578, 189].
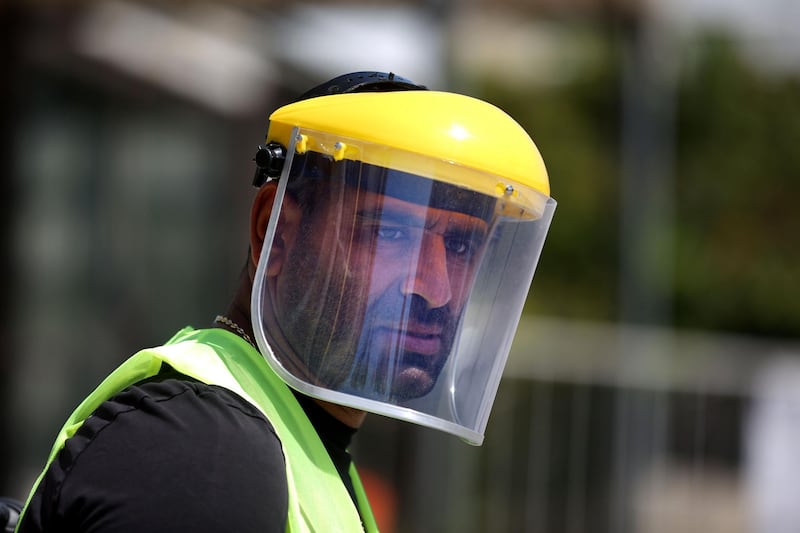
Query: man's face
[372, 291]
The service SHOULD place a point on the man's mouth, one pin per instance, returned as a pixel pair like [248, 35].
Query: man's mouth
[421, 343]
[420, 339]
[411, 355]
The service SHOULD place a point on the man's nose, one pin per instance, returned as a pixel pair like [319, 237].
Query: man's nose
[430, 279]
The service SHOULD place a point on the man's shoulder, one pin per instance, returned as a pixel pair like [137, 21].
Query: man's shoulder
[174, 404]
[163, 448]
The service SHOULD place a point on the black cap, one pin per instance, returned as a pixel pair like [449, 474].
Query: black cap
[362, 82]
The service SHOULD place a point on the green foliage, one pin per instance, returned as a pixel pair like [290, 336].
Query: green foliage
[738, 174]
[734, 265]
[575, 128]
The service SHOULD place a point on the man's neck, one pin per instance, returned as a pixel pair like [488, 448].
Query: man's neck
[348, 416]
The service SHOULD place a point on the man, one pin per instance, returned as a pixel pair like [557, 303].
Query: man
[393, 240]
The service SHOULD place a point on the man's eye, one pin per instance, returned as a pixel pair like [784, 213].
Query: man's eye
[390, 233]
[461, 246]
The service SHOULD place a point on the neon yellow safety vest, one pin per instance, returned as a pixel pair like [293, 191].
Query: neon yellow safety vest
[318, 500]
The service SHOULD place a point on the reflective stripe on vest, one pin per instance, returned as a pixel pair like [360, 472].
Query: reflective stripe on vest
[318, 500]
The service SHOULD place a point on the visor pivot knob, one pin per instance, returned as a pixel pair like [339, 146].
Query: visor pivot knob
[509, 190]
[269, 162]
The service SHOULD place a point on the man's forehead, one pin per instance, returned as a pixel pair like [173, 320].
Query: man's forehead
[437, 194]
[383, 206]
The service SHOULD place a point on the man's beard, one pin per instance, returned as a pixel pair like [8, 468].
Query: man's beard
[390, 348]
[377, 352]
[402, 349]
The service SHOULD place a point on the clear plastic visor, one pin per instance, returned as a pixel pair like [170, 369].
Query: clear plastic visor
[393, 292]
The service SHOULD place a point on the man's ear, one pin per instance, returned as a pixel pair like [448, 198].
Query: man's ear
[285, 234]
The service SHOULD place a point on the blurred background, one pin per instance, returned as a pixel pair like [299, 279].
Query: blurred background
[654, 385]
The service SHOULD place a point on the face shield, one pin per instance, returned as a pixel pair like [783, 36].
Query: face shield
[393, 282]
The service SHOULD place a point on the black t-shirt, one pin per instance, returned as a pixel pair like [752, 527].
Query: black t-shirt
[172, 454]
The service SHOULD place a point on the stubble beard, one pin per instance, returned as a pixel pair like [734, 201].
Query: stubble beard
[344, 342]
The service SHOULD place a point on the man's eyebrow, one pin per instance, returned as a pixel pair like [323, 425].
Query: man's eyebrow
[402, 218]
[379, 214]
[474, 225]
